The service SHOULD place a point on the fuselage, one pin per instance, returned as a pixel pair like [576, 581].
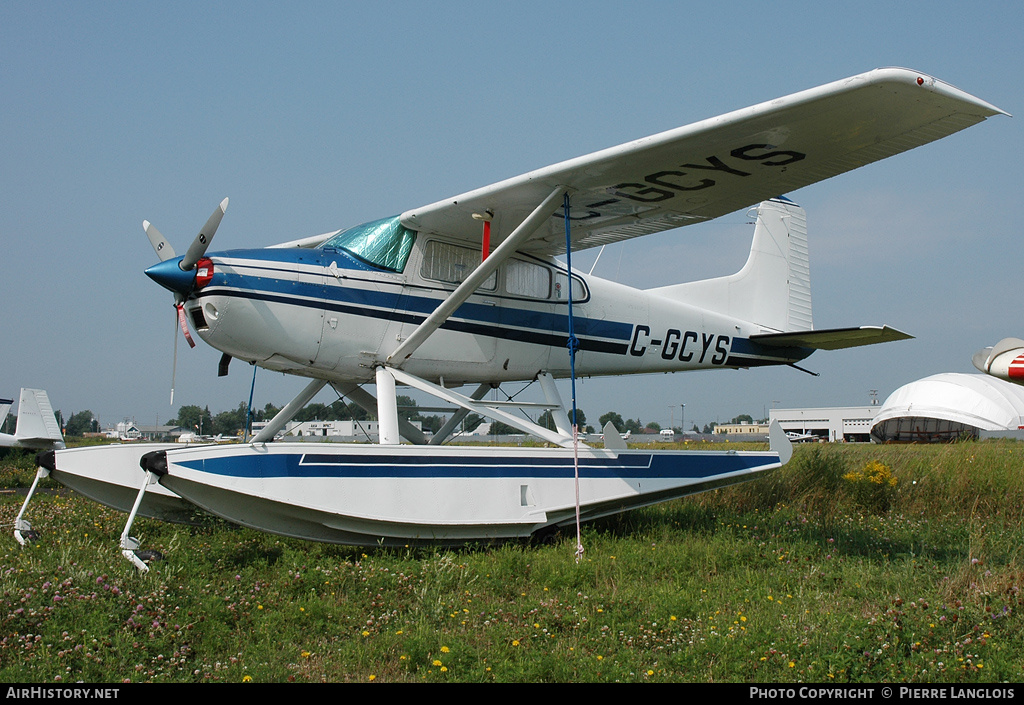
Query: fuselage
[326, 313]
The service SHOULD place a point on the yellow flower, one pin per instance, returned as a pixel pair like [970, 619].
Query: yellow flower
[515, 642]
[444, 649]
[444, 669]
[436, 663]
[246, 678]
[373, 677]
[366, 633]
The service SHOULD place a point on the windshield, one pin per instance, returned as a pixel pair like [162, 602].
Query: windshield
[383, 243]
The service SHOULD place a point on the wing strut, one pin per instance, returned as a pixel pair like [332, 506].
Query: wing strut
[528, 227]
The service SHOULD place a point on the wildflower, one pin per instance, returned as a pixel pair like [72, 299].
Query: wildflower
[366, 633]
[515, 642]
[435, 662]
[246, 678]
[445, 649]
[372, 677]
[444, 669]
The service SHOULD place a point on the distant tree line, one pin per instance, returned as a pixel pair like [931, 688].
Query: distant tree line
[233, 422]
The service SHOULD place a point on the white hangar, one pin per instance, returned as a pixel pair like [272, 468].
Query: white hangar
[947, 406]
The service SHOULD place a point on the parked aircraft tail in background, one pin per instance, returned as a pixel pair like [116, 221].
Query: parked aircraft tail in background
[37, 426]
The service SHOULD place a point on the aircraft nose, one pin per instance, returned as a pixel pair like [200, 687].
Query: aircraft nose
[980, 359]
[168, 274]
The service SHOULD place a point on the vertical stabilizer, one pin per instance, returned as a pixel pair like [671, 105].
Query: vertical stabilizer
[773, 289]
[37, 426]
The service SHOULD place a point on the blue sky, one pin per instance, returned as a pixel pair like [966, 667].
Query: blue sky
[316, 116]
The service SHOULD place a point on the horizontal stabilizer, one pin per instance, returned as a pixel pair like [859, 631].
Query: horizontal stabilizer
[833, 338]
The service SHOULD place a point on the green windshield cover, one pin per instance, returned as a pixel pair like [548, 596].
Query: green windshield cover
[383, 243]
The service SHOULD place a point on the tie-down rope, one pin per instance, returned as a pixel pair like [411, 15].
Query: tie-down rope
[573, 344]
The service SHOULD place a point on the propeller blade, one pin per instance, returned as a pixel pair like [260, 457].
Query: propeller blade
[163, 248]
[198, 247]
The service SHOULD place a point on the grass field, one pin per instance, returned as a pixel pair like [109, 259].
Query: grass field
[854, 563]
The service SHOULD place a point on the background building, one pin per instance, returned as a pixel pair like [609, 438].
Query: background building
[839, 423]
[948, 406]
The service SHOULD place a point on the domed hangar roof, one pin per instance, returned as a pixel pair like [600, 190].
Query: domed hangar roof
[946, 406]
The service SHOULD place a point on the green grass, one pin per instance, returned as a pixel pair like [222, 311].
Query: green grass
[803, 575]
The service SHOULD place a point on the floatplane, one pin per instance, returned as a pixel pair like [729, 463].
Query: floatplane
[479, 290]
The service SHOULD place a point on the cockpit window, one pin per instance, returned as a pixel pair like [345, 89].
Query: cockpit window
[383, 243]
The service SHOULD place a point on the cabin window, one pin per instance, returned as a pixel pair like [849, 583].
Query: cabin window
[384, 244]
[527, 279]
[561, 294]
[452, 264]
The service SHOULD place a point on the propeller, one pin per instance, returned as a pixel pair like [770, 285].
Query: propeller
[178, 275]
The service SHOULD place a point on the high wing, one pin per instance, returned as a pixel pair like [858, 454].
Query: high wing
[716, 166]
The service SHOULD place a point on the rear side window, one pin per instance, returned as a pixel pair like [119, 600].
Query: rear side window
[527, 279]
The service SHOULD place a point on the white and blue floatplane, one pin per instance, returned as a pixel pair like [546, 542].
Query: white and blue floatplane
[468, 291]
